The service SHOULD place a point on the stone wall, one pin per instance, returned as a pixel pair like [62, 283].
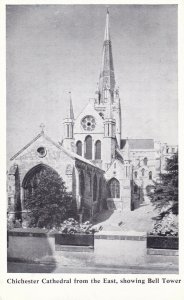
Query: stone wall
[111, 249]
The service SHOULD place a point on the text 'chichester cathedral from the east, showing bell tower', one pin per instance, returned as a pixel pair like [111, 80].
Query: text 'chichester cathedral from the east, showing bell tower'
[99, 167]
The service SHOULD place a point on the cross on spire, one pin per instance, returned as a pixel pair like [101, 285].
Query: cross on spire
[42, 126]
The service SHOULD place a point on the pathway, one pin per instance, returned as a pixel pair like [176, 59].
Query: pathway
[139, 220]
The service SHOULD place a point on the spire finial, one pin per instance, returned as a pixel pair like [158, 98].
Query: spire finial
[42, 126]
[107, 35]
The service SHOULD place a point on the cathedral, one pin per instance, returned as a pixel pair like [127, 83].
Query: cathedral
[99, 168]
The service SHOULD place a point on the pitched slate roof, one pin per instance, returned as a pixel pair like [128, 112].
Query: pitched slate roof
[138, 144]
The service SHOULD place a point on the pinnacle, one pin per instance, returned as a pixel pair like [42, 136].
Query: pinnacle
[70, 113]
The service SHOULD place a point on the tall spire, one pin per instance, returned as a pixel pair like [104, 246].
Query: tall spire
[107, 78]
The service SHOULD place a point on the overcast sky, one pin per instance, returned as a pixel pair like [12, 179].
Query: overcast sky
[54, 48]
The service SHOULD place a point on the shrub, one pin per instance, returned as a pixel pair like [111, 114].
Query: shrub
[49, 203]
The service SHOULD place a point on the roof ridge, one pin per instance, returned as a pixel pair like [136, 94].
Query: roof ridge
[26, 146]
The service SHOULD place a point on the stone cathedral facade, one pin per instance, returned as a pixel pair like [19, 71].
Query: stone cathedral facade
[100, 169]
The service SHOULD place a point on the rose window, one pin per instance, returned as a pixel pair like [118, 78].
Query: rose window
[88, 123]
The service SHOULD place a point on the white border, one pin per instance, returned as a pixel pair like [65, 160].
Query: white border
[70, 292]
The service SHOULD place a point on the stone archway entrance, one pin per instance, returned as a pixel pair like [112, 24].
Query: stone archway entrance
[33, 177]
[46, 199]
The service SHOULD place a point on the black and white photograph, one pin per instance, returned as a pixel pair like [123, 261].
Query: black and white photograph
[92, 139]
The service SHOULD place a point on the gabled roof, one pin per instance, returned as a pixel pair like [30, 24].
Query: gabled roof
[138, 144]
[89, 110]
[34, 140]
[69, 153]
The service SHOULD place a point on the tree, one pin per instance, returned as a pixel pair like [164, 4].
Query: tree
[165, 193]
[49, 201]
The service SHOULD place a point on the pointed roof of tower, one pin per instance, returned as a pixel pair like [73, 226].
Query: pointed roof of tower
[70, 113]
[107, 78]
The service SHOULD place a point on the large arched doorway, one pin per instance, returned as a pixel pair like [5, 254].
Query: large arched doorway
[45, 197]
[33, 178]
[114, 188]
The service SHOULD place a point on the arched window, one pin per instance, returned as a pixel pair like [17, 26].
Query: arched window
[135, 174]
[150, 175]
[79, 148]
[94, 188]
[114, 188]
[143, 172]
[88, 147]
[145, 161]
[98, 150]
